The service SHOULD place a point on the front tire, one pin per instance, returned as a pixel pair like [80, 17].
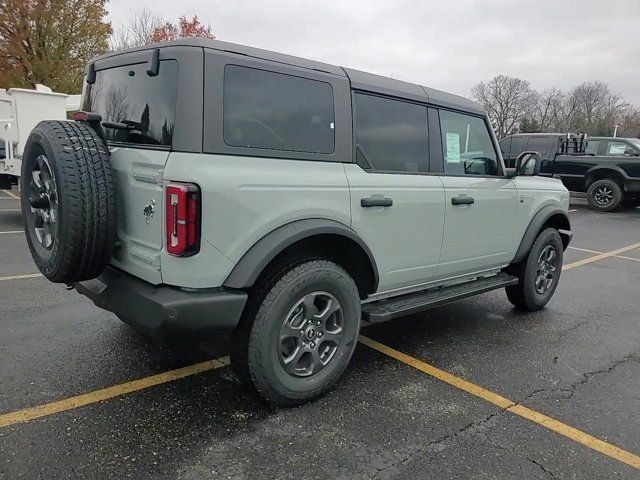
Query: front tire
[299, 332]
[604, 195]
[539, 274]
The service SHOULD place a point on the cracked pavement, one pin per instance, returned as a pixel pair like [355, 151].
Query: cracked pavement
[577, 361]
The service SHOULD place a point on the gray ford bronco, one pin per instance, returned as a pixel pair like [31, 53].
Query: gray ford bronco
[230, 191]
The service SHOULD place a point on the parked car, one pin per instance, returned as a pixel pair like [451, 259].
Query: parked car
[607, 169]
[227, 190]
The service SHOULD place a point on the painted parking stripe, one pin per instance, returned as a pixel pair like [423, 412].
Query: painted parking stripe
[29, 414]
[20, 277]
[600, 256]
[509, 405]
[595, 251]
[573, 210]
[11, 194]
[12, 231]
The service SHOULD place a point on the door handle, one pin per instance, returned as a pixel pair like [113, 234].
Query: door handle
[376, 202]
[462, 200]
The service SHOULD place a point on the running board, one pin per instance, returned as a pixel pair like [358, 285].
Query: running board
[384, 310]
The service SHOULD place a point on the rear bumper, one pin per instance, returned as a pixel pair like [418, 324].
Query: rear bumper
[158, 309]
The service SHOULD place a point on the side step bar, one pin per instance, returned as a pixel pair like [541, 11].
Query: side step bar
[384, 310]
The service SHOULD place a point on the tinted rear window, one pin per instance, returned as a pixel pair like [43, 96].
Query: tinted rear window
[275, 111]
[146, 105]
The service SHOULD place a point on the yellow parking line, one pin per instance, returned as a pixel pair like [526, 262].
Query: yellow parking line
[13, 231]
[600, 256]
[28, 414]
[20, 277]
[11, 194]
[509, 405]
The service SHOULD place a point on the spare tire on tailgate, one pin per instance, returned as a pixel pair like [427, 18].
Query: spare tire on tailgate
[68, 200]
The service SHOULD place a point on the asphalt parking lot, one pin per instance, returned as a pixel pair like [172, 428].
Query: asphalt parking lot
[470, 390]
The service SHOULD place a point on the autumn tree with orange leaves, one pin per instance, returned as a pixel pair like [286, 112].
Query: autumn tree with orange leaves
[183, 29]
[50, 41]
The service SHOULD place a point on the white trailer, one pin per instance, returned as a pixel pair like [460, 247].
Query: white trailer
[20, 110]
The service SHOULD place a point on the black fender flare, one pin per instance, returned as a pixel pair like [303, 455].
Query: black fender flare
[253, 262]
[617, 172]
[536, 224]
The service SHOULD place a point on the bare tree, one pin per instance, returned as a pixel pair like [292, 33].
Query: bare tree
[549, 109]
[137, 30]
[630, 123]
[592, 108]
[507, 100]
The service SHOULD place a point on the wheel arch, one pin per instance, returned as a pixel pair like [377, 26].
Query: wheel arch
[316, 236]
[600, 172]
[549, 216]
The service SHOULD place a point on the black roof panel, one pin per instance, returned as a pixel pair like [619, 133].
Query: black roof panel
[359, 80]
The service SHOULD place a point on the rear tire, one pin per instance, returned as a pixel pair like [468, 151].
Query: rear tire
[298, 332]
[68, 201]
[604, 195]
[539, 274]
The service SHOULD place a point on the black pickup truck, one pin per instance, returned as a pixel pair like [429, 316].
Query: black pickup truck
[606, 168]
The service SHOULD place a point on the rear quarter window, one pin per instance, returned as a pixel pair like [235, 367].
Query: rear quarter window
[276, 111]
[136, 108]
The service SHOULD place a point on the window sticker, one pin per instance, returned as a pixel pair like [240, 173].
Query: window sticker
[453, 148]
[617, 149]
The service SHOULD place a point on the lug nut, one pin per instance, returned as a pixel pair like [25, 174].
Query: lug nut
[312, 345]
[319, 334]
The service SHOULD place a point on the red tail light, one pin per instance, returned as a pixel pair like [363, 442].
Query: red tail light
[183, 219]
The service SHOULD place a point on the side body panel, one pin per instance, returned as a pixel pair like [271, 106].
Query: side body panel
[478, 236]
[571, 169]
[245, 198]
[574, 170]
[406, 237]
[535, 193]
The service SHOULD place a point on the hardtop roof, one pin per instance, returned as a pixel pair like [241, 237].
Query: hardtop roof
[359, 80]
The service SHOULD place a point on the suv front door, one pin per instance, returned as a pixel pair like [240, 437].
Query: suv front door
[397, 208]
[480, 202]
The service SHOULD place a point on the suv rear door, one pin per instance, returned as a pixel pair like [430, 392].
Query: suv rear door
[138, 98]
[396, 206]
[481, 203]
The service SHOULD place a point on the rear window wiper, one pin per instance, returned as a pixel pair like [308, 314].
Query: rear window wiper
[124, 125]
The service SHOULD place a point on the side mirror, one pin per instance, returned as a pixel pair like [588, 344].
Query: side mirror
[528, 163]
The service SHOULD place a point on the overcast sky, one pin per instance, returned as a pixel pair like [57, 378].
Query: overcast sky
[445, 44]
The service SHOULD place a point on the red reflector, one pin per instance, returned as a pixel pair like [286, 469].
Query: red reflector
[80, 116]
[183, 219]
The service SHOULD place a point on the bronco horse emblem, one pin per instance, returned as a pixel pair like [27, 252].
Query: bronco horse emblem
[148, 211]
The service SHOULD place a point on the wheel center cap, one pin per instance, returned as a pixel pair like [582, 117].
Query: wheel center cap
[311, 333]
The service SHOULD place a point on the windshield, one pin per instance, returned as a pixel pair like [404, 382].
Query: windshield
[136, 108]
